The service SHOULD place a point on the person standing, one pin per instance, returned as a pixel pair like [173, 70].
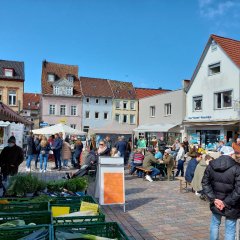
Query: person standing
[122, 148]
[221, 185]
[169, 161]
[142, 143]
[57, 147]
[180, 160]
[37, 142]
[66, 152]
[10, 158]
[162, 145]
[186, 145]
[72, 144]
[108, 142]
[31, 151]
[192, 164]
[44, 148]
[77, 153]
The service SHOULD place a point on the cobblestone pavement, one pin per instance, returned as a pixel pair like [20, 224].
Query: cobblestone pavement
[155, 210]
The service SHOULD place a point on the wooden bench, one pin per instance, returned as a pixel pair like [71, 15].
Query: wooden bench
[183, 184]
[144, 170]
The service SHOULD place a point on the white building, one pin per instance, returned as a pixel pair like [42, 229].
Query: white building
[214, 93]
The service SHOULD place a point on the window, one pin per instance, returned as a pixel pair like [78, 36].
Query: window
[12, 97]
[56, 90]
[52, 109]
[106, 101]
[74, 110]
[197, 103]
[62, 109]
[214, 69]
[8, 72]
[73, 126]
[168, 109]
[51, 77]
[152, 111]
[97, 100]
[117, 117]
[132, 119]
[87, 114]
[125, 104]
[96, 115]
[85, 128]
[117, 104]
[70, 78]
[1, 93]
[105, 115]
[69, 91]
[87, 100]
[124, 118]
[223, 99]
[132, 105]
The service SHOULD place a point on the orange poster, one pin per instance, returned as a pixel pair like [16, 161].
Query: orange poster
[113, 188]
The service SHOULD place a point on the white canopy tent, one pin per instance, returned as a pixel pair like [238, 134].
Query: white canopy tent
[162, 127]
[57, 129]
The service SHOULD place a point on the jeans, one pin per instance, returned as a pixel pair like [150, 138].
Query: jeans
[230, 227]
[133, 168]
[154, 172]
[29, 159]
[180, 168]
[65, 162]
[43, 158]
[57, 156]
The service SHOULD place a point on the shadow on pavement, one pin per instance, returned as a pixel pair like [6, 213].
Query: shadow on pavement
[134, 190]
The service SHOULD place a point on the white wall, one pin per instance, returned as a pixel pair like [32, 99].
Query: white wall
[177, 100]
[227, 79]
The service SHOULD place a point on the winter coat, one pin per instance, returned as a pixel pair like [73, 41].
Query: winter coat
[121, 147]
[222, 181]
[44, 150]
[10, 159]
[192, 164]
[198, 175]
[66, 151]
[180, 154]
[78, 150]
[162, 145]
[169, 161]
[91, 157]
[31, 148]
[149, 160]
[57, 144]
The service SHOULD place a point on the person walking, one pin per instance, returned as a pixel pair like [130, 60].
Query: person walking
[57, 147]
[221, 185]
[10, 158]
[66, 152]
[31, 151]
[44, 148]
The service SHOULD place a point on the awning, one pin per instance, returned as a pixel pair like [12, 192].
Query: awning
[4, 124]
[161, 127]
[7, 114]
[57, 129]
[212, 123]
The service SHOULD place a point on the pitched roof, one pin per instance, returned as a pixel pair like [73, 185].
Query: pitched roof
[31, 101]
[17, 66]
[148, 92]
[95, 87]
[230, 46]
[60, 71]
[122, 90]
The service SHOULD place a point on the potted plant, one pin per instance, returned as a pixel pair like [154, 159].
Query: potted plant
[76, 184]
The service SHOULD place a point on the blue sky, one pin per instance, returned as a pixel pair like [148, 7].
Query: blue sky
[152, 43]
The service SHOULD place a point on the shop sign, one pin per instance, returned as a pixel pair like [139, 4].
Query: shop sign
[43, 124]
[200, 117]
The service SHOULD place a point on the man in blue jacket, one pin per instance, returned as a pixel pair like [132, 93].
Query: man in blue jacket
[57, 147]
[122, 147]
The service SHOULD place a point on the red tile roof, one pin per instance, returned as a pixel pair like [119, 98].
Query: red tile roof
[60, 71]
[148, 92]
[31, 101]
[122, 90]
[95, 87]
[230, 46]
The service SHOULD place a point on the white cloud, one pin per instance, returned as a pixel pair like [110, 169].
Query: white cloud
[214, 8]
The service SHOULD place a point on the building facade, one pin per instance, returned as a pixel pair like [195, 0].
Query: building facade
[125, 103]
[97, 103]
[12, 84]
[213, 96]
[61, 95]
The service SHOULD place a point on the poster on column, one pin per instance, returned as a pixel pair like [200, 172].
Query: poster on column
[111, 181]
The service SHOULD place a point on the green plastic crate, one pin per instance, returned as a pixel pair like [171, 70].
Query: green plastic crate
[37, 217]
[73, 199]
[75, 204]
[24, 206]
[19, 232]
[107, 229]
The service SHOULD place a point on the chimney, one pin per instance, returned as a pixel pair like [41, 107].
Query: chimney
[185, 84]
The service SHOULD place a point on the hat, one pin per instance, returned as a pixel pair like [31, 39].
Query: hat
[168, 150]
[225, 150]
[12, 139]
